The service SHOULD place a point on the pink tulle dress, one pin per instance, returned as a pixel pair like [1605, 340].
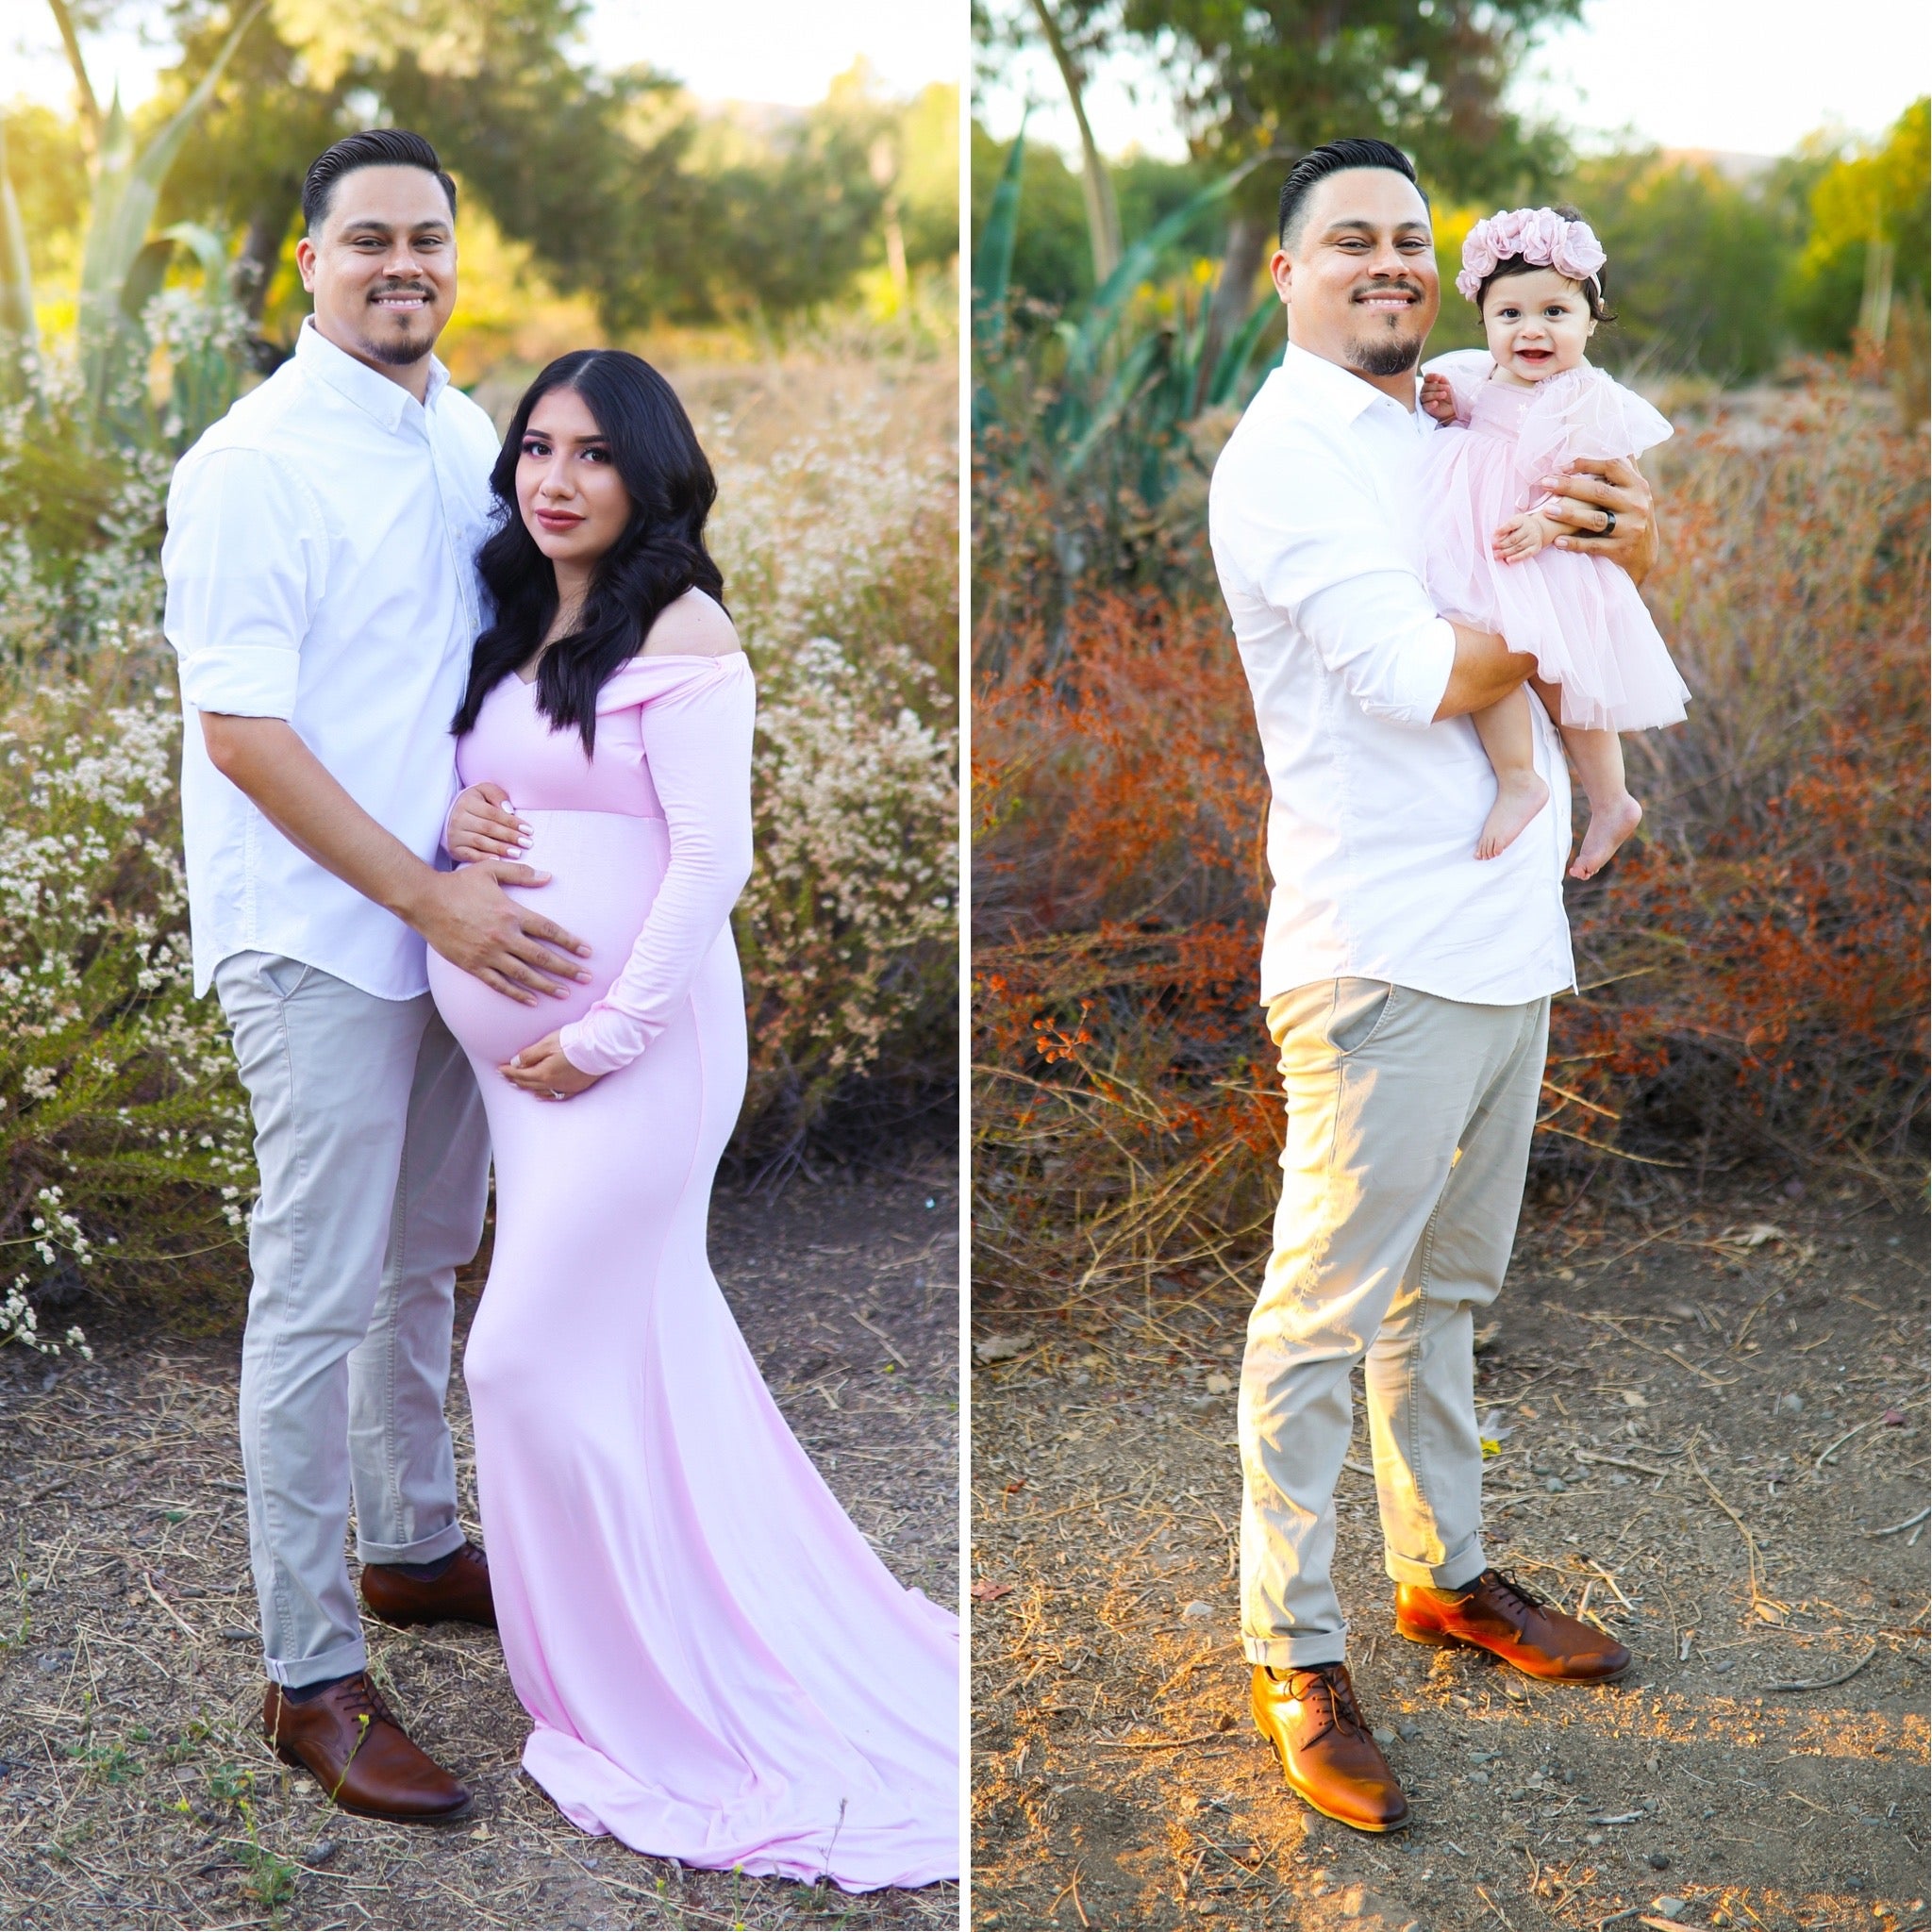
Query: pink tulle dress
[718, 1667]
[1579, 615]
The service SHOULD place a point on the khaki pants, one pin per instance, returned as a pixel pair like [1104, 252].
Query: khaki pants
[375, 1159]
[1408, 1126]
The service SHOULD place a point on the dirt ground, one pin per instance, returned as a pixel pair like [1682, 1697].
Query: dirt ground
[1708, 1413]
[135, 1789]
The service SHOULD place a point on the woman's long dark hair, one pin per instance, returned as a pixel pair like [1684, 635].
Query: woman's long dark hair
[660, 556]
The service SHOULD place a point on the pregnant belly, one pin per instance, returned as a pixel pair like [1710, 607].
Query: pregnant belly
[605, 868]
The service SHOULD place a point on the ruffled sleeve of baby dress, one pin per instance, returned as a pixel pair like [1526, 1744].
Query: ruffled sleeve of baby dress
[696, 726]
[1583, 412]
[1466, 372]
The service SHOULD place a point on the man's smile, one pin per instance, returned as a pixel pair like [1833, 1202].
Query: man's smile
[1390, 298]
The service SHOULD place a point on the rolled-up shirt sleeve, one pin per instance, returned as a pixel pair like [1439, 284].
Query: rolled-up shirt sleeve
[244, 561]
[1380, 635]
[1315, 545]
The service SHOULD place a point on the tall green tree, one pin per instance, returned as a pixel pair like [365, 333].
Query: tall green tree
[588, 169]
[1870, 237]
[1257, 75]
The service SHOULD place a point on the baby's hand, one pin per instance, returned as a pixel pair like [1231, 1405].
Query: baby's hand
[482, 825]
[1523, 536]
[1438, 399]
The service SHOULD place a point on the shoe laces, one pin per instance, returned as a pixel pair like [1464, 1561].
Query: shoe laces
[1514, 1596]
[1336, 1711]
[362, 1703]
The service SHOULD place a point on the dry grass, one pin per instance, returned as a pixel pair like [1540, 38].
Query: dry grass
[1754, 969]
[135, 1789]
[1649, 1477]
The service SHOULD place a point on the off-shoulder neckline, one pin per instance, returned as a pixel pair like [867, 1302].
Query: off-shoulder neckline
[654, 657]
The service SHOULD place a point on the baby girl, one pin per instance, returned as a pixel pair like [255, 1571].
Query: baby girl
[1509, 419]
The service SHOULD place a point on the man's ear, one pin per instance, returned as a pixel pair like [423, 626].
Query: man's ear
[305, 263]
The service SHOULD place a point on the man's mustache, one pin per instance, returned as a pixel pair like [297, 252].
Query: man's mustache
[1387, 289]
[402, 288]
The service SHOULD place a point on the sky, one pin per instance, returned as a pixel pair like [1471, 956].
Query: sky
[1747, 77]
[745, 50]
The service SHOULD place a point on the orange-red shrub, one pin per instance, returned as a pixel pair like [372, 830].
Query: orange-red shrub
[1754, 968]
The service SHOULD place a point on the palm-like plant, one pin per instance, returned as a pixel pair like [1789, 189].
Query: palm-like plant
[121, 267]
[1084, 415]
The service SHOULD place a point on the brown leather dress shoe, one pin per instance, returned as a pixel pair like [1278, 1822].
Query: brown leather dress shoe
[460, 1594]
[350, 1739]
[1499, 1615]
[1329, 1759]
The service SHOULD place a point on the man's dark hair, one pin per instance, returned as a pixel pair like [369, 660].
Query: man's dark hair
[1331, 158]
[1595, 288]
[375, 147]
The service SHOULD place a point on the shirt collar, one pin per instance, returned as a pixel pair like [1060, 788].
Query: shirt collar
[1332, 389]
[375, 395]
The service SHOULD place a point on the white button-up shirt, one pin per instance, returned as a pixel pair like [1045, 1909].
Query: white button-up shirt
[1376, 807]
[321, 567]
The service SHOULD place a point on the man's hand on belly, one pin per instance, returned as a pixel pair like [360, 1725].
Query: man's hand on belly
[465, 915]
[468, 919]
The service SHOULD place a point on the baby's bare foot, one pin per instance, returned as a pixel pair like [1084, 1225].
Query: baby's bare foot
[1520, 796]
[1610, 824]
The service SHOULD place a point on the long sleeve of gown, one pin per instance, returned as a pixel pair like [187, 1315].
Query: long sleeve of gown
[697, 716]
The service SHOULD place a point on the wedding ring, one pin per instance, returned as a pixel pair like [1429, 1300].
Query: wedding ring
[1610, 529]
[555, 1094]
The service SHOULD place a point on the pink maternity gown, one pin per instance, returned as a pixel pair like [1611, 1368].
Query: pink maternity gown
[718, 1667]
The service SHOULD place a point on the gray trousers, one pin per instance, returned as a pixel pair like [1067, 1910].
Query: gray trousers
[1408, 1127]
[375, 1161]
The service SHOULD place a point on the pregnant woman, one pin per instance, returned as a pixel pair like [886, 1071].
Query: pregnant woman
[719, 1668]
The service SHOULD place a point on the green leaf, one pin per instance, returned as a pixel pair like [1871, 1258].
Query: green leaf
[1239, 352]
[127, 188]
[992, 255]
[16, 275]
[1137, 264]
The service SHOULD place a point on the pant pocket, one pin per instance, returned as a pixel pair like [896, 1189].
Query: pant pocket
[284, 978]
[1361, 1009]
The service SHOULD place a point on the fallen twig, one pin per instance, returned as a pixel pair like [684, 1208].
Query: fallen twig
[873, 1328]
[1911, 1523]
[1621, 1462]
[193, 1635]
[1757, 1596]
[1824, 1683]
[1846, 1437]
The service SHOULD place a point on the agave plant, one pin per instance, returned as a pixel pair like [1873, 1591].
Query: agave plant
[18, 335]
[122, 268]
[1083, 416]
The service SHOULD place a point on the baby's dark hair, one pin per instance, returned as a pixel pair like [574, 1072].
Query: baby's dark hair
[1595, 288]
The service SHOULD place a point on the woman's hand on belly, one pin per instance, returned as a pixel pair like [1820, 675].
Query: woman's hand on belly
[542, 1070]
[482, 825]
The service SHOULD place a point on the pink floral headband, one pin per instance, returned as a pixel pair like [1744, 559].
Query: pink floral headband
[1537, 235]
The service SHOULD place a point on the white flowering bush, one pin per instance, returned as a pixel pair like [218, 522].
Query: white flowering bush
[840, 571]
[81, 524]
[125, 1137]
[125, 1147]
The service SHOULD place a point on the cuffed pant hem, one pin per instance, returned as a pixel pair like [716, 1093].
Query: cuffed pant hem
[345, 1660]
[1297, 1652]
[444, 1543]
[1453, 1572]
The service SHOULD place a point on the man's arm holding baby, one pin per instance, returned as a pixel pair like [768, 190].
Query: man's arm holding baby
[1578, 499]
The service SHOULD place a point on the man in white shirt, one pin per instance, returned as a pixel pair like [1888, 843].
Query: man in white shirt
[1408, 984]
[323, 598]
